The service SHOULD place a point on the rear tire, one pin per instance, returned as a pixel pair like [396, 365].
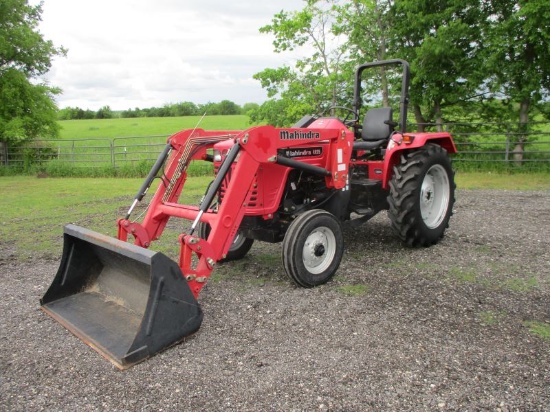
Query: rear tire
[238, 249]
[312, 248]
[422, 195]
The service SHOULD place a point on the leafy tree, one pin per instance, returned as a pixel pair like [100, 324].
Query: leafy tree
[248, 107]
[75, 113]
[366, 24]
[318, 80]
[27, 107]
[131, 113]
[104, 113]
[209, 108]
[272, 110]
[442, 42]
[517, 59]
[227, 107]
[183, 109]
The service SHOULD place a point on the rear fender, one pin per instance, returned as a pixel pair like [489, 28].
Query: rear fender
[400, 144]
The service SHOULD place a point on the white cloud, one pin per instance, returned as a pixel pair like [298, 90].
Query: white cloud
[141, 53]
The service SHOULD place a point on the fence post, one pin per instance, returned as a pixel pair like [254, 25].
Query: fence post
[507, 153]
[4, 153]
[112, 147]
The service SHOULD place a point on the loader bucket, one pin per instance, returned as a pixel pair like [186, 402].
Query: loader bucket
[126, 302]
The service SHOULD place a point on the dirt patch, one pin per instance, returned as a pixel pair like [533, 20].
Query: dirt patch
[443, 328]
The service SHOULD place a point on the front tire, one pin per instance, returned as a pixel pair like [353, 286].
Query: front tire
[239, 247]
[312, 248]
[422, 195]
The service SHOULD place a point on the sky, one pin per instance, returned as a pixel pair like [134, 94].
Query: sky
[144, 53]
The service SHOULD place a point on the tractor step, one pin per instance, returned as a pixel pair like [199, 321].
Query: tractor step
[366, 183]
[367, 197]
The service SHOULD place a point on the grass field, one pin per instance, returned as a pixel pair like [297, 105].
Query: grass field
[147, 126]
[503, 181]
[35, 210]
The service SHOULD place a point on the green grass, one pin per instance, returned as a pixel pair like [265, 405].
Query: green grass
[126, 147]
[463, 275]
[354, 290]
[501, 278]
[520, 285]
[540, 329]
[503, 181]
[34, 211]
[490, 318]
[147, 126]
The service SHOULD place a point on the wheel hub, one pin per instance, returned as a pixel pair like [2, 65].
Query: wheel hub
[319, 250]
[434, 196]
[427, 193]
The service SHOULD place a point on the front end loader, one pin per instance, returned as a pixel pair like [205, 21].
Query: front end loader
[292, 185]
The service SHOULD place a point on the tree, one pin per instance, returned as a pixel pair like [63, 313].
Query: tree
[442, 42]
[183, 109]
[104, 113]
[274, 110]
[366, 24]
[517, 57]
[317, 81]
[248, 107]
[210, 109]
[227, 107]
[27, 107]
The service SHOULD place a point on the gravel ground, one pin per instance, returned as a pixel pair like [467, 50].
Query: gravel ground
[443, 328]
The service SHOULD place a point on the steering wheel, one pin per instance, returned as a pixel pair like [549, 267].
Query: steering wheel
[349, 112]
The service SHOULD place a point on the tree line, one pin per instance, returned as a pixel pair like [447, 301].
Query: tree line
[225, 107]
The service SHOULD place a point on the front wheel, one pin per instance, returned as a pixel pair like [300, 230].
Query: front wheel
[239, 247]
[422, 195]
[312, 248]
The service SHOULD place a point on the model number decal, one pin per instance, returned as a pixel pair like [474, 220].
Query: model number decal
[302, 152]
[297, 135]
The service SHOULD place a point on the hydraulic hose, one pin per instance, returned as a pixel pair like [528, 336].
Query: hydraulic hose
[216, 184]
[149, 179]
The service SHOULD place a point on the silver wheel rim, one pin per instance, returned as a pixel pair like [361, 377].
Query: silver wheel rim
[238, 241]
[434, 196]
[319, 250]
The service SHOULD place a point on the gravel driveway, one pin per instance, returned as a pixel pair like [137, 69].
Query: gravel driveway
[444, 328]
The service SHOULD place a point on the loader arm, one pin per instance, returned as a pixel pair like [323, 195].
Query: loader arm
[250, 150]
[186, 146]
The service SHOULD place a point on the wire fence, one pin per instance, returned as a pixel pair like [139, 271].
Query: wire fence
[500, 144]
[86, 153]
[479, 145]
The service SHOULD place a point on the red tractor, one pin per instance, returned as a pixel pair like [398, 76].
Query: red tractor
[291, 185]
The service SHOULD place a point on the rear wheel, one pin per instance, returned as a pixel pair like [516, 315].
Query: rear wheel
[238, 249]
[312, 248]
[421, 195]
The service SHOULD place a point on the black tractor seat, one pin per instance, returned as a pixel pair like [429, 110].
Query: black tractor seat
[377, 128]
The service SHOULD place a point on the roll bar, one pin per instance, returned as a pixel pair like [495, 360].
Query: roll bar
[404, 101]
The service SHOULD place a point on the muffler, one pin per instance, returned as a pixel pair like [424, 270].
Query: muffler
[126, 302]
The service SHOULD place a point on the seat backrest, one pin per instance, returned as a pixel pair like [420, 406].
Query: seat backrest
[377, 124]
